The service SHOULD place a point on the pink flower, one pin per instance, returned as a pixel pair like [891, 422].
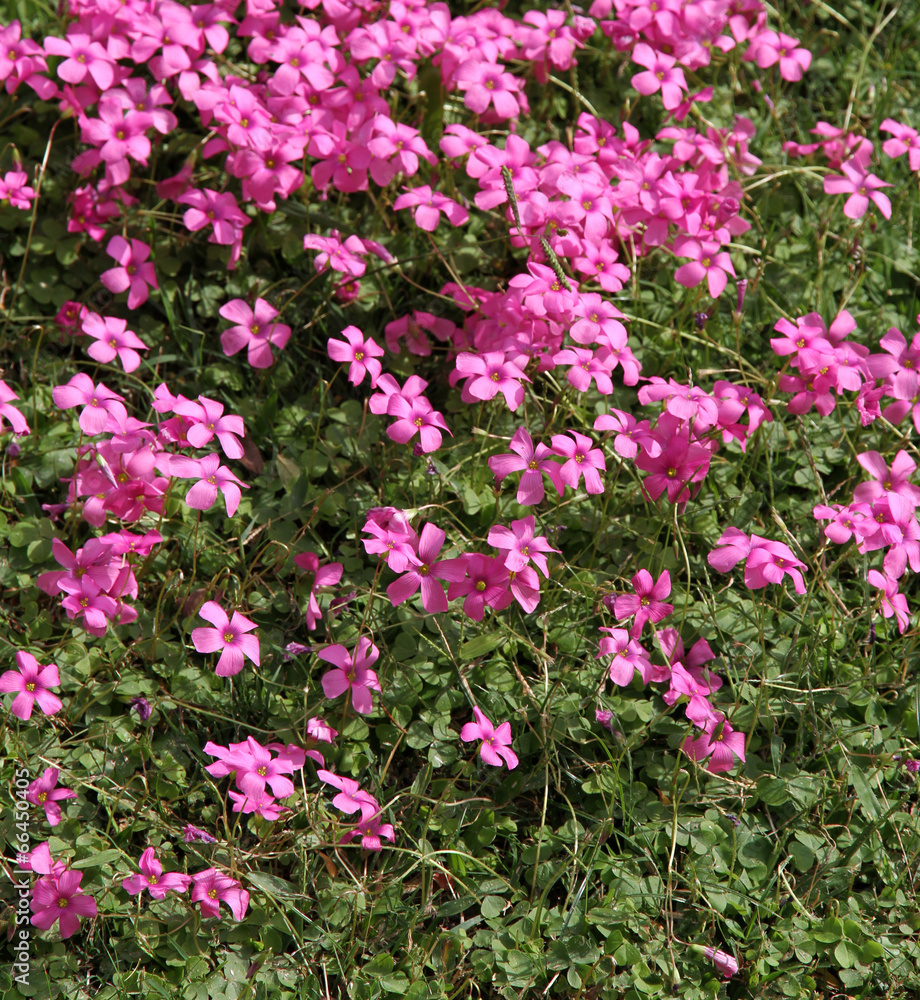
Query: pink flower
[415, 416]
[660, 75]
[533, 462]
[360, 352]
[719, 740]
[43, 791]
[229, 636]
[724, 962]
[486, 583]
[58, 896]
[83, 57]
[646, 603]
[351, 797]
[323, 576]
[153, 879]
[15, 190]
[112, 340]
[135, 276]
[255, 330]
[16, 419]
[428, 207]
[496, 743]
[484, 83]
[708, 262]
[904, 140]
[371, 831]
[354, 673]
[211, 887]
[862, 187]
[212, 477]
[102, 408]
[521, 545]
[767, 561]
[210, 422]
[891, 600]
[32, 684]
[628, 656]
[488, 374]
[582, 460]
[425, 569]
[770, 47]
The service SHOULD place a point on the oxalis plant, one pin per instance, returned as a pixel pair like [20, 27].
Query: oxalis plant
[458, 499]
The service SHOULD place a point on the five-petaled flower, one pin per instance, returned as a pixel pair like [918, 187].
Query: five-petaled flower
[31, 684]
[229, 635]
[496, 742]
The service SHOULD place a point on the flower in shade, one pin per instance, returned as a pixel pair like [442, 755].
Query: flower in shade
[43, 791]
[724, 962]
[135, 276]
[58, 896]
[256, 330]
[211, 887]
[31, 684]
[496, 743]
[371, 831]
[353, 672]
[192, 833]
[229, 635]
[151, 877]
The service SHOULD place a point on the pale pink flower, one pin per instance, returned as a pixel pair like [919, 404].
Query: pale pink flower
[102, 408]
[862, 187]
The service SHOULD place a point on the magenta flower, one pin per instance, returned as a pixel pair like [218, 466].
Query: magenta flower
[484, 83]
[59, 897]
[229, 636]
[646, 603]
[488, 374]
[102, 408]
[354, 673]
[351, 797]
[151, 877]
[212, 477]
[717, 740]
[323, 576]
[255, 330]
[862, 187]
[904, 140]
[32, 683]
[681, 462]
[659, 74]
[486, 583]
[533, 462]
[43, 791]
[424, 571]
[771, 47]
[211, 888]
[134, 276]
[359, 352]
[724, 962]
[767, 561]
[16, 419]
[371, 831]
[628, 656]
[496, 743]
[416, 416]
[112, 340]
[210, 422]
[255, 767]
[520, 544]
[885, 480]
[708, 262]
[582, 460]
[428, 207]
[892, 602]
[84, 57]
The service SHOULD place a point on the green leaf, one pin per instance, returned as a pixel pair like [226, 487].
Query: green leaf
[482, 644]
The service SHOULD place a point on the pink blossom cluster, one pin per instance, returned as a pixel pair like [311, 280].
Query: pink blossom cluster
[353, 799]
[882, 516]
[690, 683]
[254, 767]
[56, 894]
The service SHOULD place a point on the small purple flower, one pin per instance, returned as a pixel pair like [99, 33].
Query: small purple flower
[192, 834]
[143, 707]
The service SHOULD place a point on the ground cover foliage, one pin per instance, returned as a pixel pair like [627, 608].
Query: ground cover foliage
[390, 736]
